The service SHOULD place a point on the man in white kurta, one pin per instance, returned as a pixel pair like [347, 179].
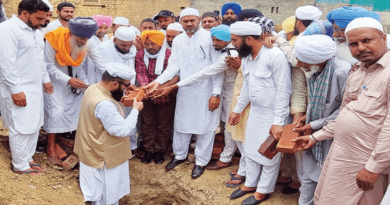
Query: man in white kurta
[22, 74]
[267, 86]
[65, 12]
[102, 140]
[192, 51]
[62, 108]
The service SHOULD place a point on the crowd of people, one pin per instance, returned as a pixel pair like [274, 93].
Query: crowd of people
[199, 73]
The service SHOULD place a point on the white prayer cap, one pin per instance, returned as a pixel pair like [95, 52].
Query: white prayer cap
[308, 12]
[119, 70]
[49, 5]
[189, 12]
[175, 26]
[125, 34]
[245, 28]
[314, 49]
[365, 22]
[121, 21]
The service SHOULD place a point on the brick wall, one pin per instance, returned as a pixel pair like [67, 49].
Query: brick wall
[134, 10]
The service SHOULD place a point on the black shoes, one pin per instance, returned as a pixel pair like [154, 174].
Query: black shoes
[253, 201]
[147, 157]
[239, 193]
[159, 157]
[289, 190]
[173, 163]
[197, 171]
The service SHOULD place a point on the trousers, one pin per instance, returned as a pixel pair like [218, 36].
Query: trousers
[260, 176]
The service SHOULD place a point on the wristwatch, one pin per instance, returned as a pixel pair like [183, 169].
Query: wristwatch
[217, 95]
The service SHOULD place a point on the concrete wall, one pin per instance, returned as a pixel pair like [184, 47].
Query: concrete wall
[134, 10]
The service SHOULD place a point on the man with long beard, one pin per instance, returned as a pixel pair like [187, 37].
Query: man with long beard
[65, 52]
[65, 12]
[23, 78]
[230, 12]
[340, 18]
[267, 86]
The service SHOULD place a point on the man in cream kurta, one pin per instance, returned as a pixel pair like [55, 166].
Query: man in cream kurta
[192, 51]
[22, 74]
[267, 86]
[102, 139]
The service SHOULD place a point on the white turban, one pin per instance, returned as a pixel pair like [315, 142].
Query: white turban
[314, 49]
[125, 34]
[189, 12]
[176, 27]
[245, 28]
[121, 21]
[308, 13]
[365, 22]
[120, 70]
[49, 5]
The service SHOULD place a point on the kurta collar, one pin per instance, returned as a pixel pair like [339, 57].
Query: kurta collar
[21, 23]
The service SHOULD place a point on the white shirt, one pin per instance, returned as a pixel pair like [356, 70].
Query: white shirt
[94, 74]
[110, 54]
[53, 25]
[22, 69]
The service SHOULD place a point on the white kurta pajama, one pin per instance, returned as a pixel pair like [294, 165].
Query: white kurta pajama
[192, 116]
[94, 74]
[107, 186]
[267, 86]
[53, 25]
[62, 107]
[22, 69]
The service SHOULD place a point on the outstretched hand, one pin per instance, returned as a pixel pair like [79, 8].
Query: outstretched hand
[269, 41]
[163, 92]
[151, 88]
[306, 142]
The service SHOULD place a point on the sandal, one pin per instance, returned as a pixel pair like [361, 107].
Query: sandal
[231, 172]
[38, 165]
[28, 172]
[235, 178]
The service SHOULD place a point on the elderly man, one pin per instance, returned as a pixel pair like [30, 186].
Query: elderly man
[340, 18]
[158, 113]
[230, 12]
[22, 74]
[173, 30]
[210, 20]
[103, 22]
[267, 86]
[164, 18]
[65, 55]
[192, 114]
[65, 12]
[356, 169]
[326, 79]
[102, 139]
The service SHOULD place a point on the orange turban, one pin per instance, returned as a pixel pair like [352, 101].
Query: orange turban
[156, 36]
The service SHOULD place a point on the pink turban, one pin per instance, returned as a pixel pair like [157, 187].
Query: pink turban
[102, 19]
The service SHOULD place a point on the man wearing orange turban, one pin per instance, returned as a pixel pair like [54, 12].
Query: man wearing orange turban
[156, 37]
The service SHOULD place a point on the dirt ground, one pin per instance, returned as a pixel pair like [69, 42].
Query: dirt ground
[151, 184]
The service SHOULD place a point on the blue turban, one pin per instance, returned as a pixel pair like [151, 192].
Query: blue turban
[234, 6]
[83, 27]
[342, 16]
[319, 27]
[249, 13]
[221, 32]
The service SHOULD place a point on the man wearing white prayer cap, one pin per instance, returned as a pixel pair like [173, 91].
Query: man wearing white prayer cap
[121, 50]
[267, 87]
[192, 103]
[326, 77]
[102, 140]
[357, 168]
[173, 30]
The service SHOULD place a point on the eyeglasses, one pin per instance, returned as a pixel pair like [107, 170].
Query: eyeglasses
[127, 85]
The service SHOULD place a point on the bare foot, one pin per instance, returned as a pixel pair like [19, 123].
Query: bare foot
[60, 152]
[37, 167]
[234, 171]
[245, 188]
[30, 172]
[259, 196]
[234, 182]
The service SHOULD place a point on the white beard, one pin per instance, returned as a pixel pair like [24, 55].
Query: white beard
[343, 53]
[313, 69]
[75, 49]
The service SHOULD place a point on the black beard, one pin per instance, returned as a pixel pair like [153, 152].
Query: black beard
[245, 50]
[121, 51]
[296, 31]
[228, 21]
[117, 94]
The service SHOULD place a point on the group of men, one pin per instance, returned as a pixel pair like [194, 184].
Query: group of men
[327, 77]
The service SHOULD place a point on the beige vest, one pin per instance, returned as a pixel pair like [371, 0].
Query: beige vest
[93, 144]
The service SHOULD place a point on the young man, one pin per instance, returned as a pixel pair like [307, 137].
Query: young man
[102, 140]
[164, 18]
[22, 74]
[103, 22]
[65, 12]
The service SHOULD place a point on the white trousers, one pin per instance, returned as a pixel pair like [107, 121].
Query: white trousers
[203, 149]
[386, 198]
[22, 148]
[260, 176]
[229, 149]
[242, 166]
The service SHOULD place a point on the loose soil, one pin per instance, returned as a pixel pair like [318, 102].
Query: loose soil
[151, 184]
